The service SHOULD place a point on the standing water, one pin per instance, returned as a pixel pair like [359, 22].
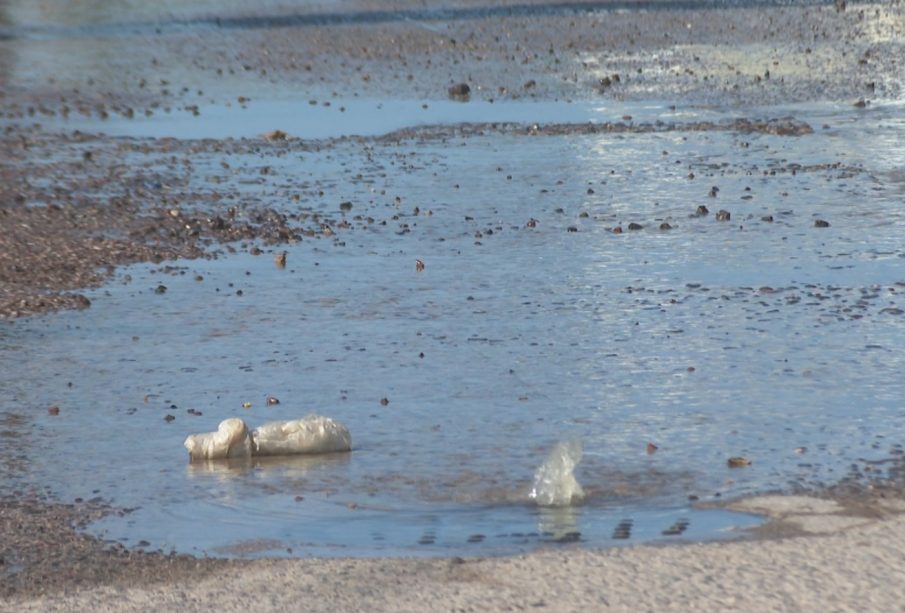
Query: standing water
[570, 290]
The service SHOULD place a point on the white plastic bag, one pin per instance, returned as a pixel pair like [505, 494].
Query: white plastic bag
[555, 484]
[311, 434]
[231, 440]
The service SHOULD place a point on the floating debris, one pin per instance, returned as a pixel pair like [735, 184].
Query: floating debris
[554, 481]
[738, 462]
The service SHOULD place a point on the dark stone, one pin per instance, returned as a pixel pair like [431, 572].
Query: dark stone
[460, 91]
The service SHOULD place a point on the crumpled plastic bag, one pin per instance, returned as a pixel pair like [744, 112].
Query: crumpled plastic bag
[231, 440]
[555, 484]
[311, 434]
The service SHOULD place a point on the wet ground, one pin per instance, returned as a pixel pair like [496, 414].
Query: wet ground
[572, 286]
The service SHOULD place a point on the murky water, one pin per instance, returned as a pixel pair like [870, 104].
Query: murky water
[774, 340]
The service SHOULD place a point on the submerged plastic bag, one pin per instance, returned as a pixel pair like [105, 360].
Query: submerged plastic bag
[311, 434]
[554, 482]
[231, 440]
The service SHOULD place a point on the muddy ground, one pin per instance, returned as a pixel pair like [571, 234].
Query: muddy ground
[71, 210]
[67, 220]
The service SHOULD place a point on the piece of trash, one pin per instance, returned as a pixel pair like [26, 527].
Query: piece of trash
[419, 266]
[246, 405]
[54, 410]
[272, 400]
[311, 434]
[651, 448]
[554, 482]
[231, 440]
[280, 260]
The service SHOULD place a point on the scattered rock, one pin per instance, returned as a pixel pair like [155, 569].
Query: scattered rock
[275, 135]
[738, 462]
[460, 92]
[821, 223]
[722, 215]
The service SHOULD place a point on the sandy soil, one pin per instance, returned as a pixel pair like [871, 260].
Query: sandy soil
[58, 239]
[850, 563]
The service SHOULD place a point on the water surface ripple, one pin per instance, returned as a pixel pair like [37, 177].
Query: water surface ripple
[764, 336]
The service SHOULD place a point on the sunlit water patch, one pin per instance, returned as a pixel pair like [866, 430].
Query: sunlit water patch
[767, 336]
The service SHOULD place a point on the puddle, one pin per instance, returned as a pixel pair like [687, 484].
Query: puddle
[773, 340]
[122, 18]
[335, 118]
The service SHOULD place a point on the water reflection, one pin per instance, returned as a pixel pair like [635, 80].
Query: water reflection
[561, 524]
[286, 467]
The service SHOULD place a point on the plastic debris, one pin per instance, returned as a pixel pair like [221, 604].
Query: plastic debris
[554, 481]
[311, 434]
[231, 440]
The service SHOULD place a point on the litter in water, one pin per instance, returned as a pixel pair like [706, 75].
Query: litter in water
[311, 434]
[555, 484]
